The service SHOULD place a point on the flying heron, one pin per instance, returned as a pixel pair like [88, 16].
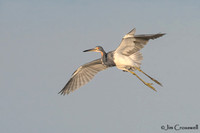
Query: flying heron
[126, 57]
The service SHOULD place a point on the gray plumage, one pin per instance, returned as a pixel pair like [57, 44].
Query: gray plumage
[126, 57]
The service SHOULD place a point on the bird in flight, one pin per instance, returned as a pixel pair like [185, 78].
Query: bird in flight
[126, 57]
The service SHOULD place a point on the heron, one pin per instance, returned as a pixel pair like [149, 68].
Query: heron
[127, 57]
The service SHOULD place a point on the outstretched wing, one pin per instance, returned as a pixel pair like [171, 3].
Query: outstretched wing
[83, 75]
[132, 43]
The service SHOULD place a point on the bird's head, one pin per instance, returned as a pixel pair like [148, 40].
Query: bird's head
[96, 49]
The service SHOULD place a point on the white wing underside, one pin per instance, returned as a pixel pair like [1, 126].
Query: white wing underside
[127, 54]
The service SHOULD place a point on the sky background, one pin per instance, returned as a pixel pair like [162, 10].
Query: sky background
[41, 44]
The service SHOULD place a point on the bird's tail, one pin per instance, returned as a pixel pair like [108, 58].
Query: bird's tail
[137, 59]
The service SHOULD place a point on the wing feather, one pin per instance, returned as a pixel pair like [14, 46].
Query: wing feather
[83, 75]
[131, 43]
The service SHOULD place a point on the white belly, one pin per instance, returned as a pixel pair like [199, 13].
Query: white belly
[122, 61]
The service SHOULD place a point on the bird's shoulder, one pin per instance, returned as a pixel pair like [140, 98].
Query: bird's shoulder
[110, 59]
[110, 54]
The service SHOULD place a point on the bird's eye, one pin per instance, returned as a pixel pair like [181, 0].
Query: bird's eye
[98, 48]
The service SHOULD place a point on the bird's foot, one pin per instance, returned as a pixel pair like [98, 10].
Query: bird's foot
[157, 82]
[150, 85]
[147, 84]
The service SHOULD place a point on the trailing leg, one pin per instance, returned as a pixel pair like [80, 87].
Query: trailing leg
[148, 76]
[147, 84]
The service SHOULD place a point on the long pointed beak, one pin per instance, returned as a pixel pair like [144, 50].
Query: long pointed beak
[88, 50]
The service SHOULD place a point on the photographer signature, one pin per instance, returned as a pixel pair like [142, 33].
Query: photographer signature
[179, 127]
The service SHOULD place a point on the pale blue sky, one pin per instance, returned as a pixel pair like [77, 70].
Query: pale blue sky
[42, 43]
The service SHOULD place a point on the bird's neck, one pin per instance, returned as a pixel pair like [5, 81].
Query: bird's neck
[103, 57]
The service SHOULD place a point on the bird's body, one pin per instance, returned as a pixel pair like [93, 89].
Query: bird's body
[128, 62]
[126, 57]
[108, 59]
